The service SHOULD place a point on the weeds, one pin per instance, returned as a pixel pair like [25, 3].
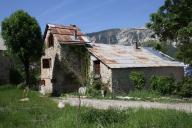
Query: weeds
[41, 112]
[104, 117]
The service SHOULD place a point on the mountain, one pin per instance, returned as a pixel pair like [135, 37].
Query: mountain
[122, 36]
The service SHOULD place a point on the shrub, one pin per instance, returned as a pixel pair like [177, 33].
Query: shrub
[15, 76]
[138, 79]
[94, 88]
[93, 92]
[184, 88]
[97, 84]
[162, 84]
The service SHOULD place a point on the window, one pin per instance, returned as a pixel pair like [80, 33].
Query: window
[46, 63]
[50, 40]
[42, 82]
[96, 67]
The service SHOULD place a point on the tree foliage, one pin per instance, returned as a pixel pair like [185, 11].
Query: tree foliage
[165, 47]
[22, 36]
[173, 22]
[15, 76]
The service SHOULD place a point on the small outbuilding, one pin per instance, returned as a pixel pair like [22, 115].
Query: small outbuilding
[114, 63]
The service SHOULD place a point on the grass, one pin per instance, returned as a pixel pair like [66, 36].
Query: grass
[153, 96]
[34, 113]
[42, 112]
[138, 118]
[144, 94]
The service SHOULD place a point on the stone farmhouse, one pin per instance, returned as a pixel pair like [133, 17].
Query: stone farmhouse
[4, 64]
[70, 60]
[61, 67]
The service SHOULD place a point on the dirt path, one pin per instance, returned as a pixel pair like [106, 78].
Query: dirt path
[105, 104]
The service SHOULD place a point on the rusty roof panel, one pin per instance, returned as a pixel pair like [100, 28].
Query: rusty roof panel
[61, 31]
[64, 31]
[119, 56]
[66, 34]
[63, 38]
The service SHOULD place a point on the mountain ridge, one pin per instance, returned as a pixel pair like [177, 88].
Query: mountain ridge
[125, 36]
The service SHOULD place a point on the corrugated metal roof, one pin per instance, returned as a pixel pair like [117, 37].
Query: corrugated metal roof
[119, 56]
[68, 34]
[2, 46]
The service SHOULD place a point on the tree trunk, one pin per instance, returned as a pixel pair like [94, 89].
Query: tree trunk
[27, 79]
[27, 74]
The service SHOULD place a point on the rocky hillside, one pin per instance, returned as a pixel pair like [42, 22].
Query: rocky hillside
[122, 36]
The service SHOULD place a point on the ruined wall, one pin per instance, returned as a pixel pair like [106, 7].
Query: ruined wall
[122, 83]
[4, 69]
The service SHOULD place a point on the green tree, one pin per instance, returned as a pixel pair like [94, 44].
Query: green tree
[162, 46]
[22, 36]
[173, 22]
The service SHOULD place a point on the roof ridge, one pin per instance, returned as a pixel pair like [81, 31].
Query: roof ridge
[64, 26]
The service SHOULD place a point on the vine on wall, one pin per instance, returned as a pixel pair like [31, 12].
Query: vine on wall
[76, 60]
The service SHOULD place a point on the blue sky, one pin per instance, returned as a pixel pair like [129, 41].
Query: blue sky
[89, 15]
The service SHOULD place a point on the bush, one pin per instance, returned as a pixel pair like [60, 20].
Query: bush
[138, 79]
[97, 84]
[15, 76]
[94, 89]
[162, 84]
[184, 88]
[93, 92]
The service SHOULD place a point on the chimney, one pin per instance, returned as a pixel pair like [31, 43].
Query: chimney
[73, 25]
[136, 45]
[75, 30]
[75, 34]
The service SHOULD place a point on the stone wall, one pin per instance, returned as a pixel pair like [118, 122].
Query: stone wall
[122, 83]
[105, 72]
[4, 69]
[71, 70]
[46, 73]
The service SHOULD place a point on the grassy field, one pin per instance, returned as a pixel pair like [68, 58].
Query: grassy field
[42, 112]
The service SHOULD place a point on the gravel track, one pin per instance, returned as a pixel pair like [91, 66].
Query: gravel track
[119, 104]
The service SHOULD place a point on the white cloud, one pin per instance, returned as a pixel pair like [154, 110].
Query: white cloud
[55, 8]
[85, 10]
